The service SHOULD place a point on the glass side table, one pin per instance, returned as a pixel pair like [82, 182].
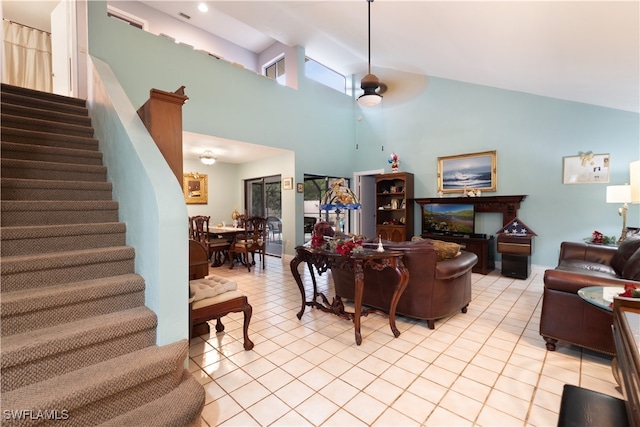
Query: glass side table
[601, 296]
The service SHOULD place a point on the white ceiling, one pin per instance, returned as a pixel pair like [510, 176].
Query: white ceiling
[584, 51]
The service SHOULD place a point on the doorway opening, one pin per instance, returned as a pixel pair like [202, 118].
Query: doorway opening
[263, 197]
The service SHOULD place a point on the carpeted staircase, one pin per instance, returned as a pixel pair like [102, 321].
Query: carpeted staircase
[78, 343]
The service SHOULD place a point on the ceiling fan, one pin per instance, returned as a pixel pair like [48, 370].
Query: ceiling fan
[405, 85]
[370, 83]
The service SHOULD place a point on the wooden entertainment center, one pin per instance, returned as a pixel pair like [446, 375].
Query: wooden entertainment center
[482, 246]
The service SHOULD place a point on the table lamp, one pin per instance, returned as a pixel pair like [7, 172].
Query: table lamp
[634, 175]
[620, 194]
[339, 197]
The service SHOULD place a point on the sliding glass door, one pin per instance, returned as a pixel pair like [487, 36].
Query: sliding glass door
[263, 198]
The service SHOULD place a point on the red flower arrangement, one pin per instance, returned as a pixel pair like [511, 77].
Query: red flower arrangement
[631, 291]
[323, 238]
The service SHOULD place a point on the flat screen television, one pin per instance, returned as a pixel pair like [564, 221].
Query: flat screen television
[452, 219]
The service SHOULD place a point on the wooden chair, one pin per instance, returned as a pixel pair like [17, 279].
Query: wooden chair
[275, 228]
[202, 311]
[217, 248]
[253, 240]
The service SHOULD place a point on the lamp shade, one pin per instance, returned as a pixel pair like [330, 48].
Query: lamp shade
[634, 173]
[369, 100]
[618, 194]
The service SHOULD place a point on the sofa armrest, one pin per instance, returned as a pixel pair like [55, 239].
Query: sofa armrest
[586, 252]
[571, 281]
[454, 267]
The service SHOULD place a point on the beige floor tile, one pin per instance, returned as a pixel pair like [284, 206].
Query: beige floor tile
[488, 367]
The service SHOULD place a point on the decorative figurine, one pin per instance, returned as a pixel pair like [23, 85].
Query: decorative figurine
[395, 162]
[380, 247]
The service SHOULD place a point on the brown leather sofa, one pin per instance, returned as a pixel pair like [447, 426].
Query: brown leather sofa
[567, 317]
[436, 289]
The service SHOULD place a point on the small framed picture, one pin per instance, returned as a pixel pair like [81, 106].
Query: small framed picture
[287, 183]
[300, 187]
[585, 168]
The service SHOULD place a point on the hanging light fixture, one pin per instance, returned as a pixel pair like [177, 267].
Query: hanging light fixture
[369, 83]
[207, 158]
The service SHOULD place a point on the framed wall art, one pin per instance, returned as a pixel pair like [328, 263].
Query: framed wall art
[475, 171]
[195, 188]
[585, 168]
[287, 183]
[300, 187]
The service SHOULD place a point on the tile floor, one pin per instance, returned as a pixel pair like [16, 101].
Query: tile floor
[488, 367]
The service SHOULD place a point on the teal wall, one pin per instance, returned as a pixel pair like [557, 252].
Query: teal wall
[330, 134]
[531, 135]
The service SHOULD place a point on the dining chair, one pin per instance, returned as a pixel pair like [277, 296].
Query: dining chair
[217, 248]
[253, 240]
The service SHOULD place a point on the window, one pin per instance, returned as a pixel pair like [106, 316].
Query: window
[316, 71]
[276, 71]
[123, 16]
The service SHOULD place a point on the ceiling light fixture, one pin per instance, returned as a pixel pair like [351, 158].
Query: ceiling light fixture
[369, 83]
[203, 8]
[207, 158]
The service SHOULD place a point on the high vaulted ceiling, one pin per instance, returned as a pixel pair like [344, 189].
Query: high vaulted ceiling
[585, 51]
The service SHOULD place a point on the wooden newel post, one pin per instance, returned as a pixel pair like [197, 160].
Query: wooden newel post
[162, 116]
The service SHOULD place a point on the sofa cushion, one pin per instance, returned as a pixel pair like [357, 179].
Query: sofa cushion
[587, 267]
[632, 269]
[446, 250]
[626, 249]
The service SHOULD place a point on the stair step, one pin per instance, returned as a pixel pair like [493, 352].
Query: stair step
[42, 189]
[45, 353]
[47, 115]
[13, 150]
[36, 94]
[9, 98]
[60, 128]
[26, 310]
[31, 169]
[24, 136]
[33, 271]
[59, 238]
[179, 407]
[15, 213]
[105, 390]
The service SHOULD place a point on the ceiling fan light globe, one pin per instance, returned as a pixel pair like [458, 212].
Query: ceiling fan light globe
[369, 99]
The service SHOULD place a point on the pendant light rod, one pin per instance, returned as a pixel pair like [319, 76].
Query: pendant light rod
[369, 7]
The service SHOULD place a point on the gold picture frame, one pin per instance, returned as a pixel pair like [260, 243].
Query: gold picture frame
[195, 188]
[474, 171]
[287, 183]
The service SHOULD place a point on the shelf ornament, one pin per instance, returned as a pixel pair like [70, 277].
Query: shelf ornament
[395, 162]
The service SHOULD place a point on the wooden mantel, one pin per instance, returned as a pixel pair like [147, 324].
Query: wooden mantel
[506, 205]
[162, 116]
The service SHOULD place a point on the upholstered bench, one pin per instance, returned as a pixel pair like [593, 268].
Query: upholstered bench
[212, 297]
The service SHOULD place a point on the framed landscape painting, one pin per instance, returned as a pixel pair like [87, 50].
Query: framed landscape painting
[475, 171]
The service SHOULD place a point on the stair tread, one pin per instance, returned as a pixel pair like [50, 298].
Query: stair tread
[27, 300]
[41, 231]
[80, 118]
[53, 165]
[47, 149]
[75, 257]
[179, 407]
[32, 93]
[55, 184]
[34, 135]
[37, 344]
[58, 205]
[94, 382]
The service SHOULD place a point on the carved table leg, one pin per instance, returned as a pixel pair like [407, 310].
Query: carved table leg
[403, 281]
[359, 286]
[296, 275]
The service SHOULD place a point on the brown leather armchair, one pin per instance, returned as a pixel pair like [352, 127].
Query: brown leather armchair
[567, 317]
[436, 289]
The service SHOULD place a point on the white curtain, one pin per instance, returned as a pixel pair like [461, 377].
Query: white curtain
[26, 58]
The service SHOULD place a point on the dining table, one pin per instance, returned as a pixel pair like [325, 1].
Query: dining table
[227, 233]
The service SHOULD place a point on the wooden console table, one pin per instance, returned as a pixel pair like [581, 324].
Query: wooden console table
[356, 262]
